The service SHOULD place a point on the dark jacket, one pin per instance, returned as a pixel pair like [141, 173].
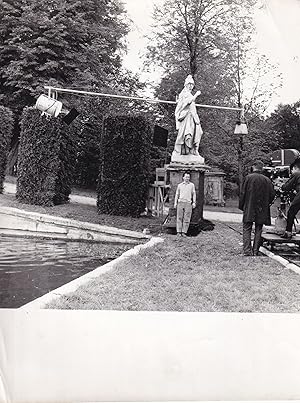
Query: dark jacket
[293, 184]
[256, 197]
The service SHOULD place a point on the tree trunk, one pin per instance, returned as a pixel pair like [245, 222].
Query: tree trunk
[11, 168]
[240, 163]
[193, 64]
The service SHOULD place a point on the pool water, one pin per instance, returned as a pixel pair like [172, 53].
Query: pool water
[31, 267]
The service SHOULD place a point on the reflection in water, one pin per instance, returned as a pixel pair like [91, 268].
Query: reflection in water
[32, 267]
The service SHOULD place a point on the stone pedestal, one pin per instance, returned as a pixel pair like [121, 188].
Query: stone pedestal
[189, 159]
[214, 188]
[197, 173]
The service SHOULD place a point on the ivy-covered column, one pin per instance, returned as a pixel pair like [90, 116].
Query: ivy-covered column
[124, 175]
[45, 161]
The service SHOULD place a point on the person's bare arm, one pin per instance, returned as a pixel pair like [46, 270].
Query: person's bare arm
[194, 197]
[176, 197]
[196, 95]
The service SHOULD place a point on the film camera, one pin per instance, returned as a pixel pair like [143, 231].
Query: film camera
[279, 173]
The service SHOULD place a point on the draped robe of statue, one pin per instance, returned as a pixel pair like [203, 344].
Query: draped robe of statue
[189, 129]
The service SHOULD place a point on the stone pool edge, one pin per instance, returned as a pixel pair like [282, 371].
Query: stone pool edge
[17, 222]
[72, 286]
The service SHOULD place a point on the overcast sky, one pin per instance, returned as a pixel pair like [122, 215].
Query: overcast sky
[278, 27]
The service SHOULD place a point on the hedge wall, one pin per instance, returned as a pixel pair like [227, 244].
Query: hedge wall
[6, 128]
[45, 160]
[124, 174]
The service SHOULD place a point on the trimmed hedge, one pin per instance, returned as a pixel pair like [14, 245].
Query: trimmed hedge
[124, 175]
[45, 161]
[6, 129]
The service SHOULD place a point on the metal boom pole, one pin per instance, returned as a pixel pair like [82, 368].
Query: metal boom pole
[161, 101]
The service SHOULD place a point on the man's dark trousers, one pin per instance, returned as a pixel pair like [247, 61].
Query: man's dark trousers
[291, 214]
[247, 228]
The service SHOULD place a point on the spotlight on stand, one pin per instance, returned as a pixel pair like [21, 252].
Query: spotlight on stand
[241, 128]
[52, 107]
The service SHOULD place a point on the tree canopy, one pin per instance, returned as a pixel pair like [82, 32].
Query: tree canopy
[200, 38]
[212, 40]
[58, 42]
[283, 125]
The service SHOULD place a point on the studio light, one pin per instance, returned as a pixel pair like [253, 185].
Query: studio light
[48, 105]
[52, 107]
[241, 128]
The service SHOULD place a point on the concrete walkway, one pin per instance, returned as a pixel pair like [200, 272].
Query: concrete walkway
[10, 188]
[222, 216]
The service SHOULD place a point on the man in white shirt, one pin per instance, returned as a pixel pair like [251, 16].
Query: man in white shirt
[185, 201]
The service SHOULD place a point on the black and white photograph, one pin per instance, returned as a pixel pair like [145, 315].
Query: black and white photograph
[149, 200]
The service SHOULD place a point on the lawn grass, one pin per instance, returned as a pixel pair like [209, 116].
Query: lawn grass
[206, 273]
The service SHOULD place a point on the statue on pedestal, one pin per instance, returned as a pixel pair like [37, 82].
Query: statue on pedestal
[188, 126]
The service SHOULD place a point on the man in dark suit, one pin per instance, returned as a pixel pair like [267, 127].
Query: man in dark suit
[292, 184]
[255, 199]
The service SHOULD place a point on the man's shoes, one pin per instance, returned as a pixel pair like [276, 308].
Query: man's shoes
[258, 254]
[184, 235]
[179, 234]
[287, 235]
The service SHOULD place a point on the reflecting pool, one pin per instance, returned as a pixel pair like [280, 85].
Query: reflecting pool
[31, 267]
